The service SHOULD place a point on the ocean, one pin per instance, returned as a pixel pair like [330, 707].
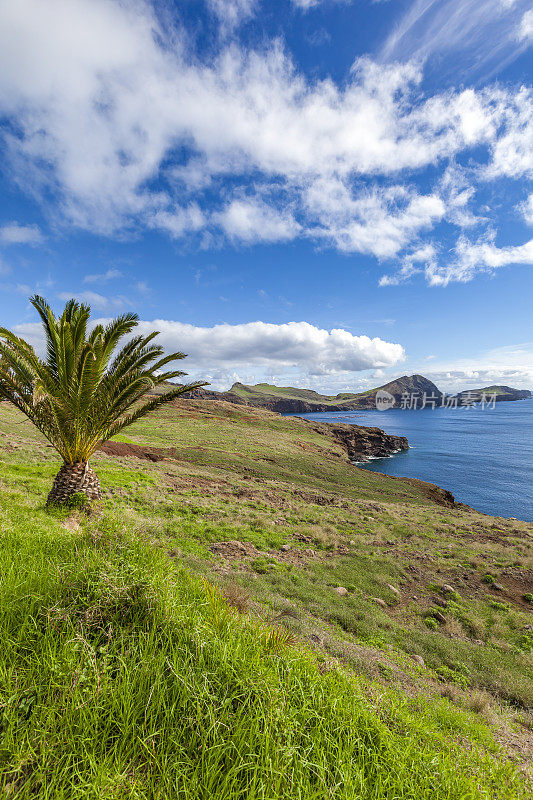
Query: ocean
[483, 456]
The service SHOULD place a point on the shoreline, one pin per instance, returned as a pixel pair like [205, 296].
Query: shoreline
[484, 460]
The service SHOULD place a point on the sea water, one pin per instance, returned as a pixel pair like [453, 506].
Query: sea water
[483, 456]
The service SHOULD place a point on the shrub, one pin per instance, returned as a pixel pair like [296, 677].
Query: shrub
[460, 675]
[498, 606]
[265, 564]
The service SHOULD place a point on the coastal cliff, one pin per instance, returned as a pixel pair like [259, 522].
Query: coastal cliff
[361, 443]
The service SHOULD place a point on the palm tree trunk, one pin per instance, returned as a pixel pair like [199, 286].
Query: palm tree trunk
[74, 478]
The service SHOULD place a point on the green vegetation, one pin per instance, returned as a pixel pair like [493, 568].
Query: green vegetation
[84, 392]
[287, 392]
[124, 675]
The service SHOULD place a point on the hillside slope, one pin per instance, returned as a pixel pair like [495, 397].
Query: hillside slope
[287, 399]
[121, 676]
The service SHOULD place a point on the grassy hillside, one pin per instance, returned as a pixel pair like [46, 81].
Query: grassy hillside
[123, 675]
[286, 392]
[261, 392]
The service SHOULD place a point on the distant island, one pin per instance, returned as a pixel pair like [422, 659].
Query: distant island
[500, 392]
[290, 400]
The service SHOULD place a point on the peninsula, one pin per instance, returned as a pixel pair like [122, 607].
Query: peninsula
[292, 400]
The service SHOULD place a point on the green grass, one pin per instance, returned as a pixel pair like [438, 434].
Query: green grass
[122, 676]
[290, 392]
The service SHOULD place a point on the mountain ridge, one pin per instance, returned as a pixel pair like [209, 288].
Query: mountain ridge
[407, 391]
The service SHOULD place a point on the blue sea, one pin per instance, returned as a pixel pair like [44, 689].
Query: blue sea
[483, 456]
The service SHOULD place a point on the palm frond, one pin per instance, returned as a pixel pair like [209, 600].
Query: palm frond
[89, 385]
[151, 405]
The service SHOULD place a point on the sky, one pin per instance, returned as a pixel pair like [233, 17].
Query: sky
[317, 193]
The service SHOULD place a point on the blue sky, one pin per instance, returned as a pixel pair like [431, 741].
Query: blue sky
[321, 193]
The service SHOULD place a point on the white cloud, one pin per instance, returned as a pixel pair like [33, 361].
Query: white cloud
[253, 221]
[92, 298]
[422, 259]
[511, 365]
[459, 29]
[376, 221]
[512, 150]
[469, 259]
[300, 354]
[266, 346]
[103, 277]
[526, 209]
[118, 121]
[231, 13]
[178, 221]
[476, 257]
[306, 4]
[14, 233]
[457, 192]
[257, 349]
[96, 300]
[525, 30]
[20, 288]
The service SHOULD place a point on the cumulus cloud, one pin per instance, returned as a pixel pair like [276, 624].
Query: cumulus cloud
[257, 349]
[512, 150]
[14, 233]
[124, 127]
[376, 221]
[176, 221]
[271, 347]
[254, 221]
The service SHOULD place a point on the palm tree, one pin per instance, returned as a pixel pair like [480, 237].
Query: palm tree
[84, 391]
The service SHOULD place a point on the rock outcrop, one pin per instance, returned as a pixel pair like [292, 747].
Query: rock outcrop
[361, 443]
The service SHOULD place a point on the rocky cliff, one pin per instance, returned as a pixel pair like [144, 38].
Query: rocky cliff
[361, 443]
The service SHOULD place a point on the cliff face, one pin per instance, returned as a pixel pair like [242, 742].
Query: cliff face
[359, 442]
